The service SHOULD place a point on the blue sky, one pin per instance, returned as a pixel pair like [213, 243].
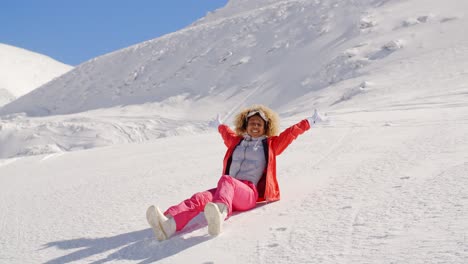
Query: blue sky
[75, 31]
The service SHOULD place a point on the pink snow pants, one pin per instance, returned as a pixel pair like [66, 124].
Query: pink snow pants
[235, 194]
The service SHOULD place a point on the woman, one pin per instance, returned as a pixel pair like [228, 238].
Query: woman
[249, 172]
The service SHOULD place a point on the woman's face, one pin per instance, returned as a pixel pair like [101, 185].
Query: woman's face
[255, 126]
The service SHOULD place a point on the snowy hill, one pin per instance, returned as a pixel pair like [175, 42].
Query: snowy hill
[382, 182]
[22, 71]
[281, 50]
[291, 55]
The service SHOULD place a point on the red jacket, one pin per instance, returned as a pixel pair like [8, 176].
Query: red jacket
[268, 188]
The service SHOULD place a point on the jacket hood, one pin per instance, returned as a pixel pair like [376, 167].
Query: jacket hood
[272, 126]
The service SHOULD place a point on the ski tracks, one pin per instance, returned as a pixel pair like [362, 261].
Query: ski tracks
[401, 196]
[403, 202]
[295, 235]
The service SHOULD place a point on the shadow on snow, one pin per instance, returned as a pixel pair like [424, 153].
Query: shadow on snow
[138, 246]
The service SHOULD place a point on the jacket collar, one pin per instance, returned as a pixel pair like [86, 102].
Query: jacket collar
[250, 138]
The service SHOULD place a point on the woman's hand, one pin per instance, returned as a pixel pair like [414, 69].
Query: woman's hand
[217, 122]
[316, 118]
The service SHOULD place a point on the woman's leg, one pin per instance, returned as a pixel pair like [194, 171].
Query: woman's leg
[236, 195]
[189, 208]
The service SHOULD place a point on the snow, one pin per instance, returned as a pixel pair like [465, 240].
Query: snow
[83, 156]
[22, 71]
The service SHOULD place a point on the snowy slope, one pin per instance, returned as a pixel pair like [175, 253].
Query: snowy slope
[286, 48]
[22, 71]
[356, 191]
[382, 182]
[291, 55]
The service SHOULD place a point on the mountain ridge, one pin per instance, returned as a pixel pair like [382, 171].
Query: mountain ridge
[22, 71]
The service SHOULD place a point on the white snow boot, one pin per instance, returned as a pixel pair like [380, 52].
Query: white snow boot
[163, 227]
[215, 213]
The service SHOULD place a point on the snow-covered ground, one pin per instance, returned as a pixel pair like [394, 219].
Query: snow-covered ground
[382, 182]
[22, 71]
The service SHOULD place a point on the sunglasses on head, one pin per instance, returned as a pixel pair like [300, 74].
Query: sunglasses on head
[257, 112]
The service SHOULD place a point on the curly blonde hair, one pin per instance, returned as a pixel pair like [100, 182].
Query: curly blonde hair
[272, 126]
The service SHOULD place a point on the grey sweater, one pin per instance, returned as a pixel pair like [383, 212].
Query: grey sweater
[248, 160]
